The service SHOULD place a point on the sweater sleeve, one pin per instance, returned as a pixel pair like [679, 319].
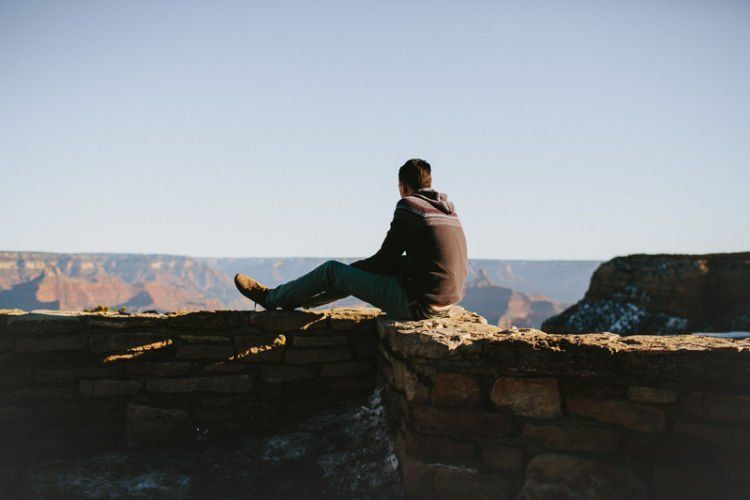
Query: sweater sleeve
[389, 259]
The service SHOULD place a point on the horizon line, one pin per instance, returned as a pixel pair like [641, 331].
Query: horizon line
[350, 257]
[157, 254]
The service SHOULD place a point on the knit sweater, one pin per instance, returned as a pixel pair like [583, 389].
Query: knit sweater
[426, 226]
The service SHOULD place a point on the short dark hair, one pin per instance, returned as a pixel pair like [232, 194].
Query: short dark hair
[416, 174]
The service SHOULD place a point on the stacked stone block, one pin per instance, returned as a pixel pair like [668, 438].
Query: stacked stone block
[73, 379]
[477, 411]
[481, 412]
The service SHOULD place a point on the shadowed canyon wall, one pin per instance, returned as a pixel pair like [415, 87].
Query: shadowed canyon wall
[477, 411]
[663, 294]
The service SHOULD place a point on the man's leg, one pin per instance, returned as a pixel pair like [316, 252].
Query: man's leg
[339, 280]
[323, 298]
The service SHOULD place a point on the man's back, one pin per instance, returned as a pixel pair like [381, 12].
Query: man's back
[426, 226]
[436, 266]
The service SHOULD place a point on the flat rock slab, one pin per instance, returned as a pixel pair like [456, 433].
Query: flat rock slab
[677, 357]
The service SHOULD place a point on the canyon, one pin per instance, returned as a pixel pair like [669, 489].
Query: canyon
[655, 294]
[523, 293]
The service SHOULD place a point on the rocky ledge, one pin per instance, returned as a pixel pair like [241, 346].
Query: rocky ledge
[476, 410]
[663, 294]
[483, 412]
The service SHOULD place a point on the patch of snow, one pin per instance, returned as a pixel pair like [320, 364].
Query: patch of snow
[606, 315]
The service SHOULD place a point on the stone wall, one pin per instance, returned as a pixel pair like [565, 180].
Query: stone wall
[485, 413]
[477, 411]
[72, 379]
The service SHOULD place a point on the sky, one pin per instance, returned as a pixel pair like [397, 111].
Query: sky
[560, 130]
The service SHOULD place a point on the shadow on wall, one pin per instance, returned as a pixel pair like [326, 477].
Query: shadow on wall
[145, 379]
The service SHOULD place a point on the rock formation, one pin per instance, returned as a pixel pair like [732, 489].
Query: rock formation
[30, 280]
[506, 307]
[663, 294]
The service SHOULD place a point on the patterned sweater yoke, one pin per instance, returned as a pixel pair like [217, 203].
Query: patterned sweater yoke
[426, 227]
[418, 210]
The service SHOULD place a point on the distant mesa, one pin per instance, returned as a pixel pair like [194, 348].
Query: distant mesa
[506, 307]
[663, 294]
[30, 280]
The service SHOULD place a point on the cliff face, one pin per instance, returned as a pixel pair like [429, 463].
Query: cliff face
[505, 307]
[138, 282]
[663, 294]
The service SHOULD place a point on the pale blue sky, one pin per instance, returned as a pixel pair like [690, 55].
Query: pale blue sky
[568, 130]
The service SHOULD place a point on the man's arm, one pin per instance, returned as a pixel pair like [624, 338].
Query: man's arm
[389, 259]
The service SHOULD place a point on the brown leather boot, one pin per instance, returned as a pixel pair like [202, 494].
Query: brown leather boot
[252, 289]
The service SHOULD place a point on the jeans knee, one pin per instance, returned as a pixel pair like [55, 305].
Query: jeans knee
[334, 264]
[332, 268]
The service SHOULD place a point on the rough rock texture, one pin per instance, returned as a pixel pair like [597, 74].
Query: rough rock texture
[80, 379]
[483, 412]
[663, 294]
[561, 476]
[343, 453]
[476, 411]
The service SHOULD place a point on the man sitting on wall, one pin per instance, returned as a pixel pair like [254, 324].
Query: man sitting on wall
[424, 283]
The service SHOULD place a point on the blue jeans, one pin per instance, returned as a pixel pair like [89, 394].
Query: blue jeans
[334, 280]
